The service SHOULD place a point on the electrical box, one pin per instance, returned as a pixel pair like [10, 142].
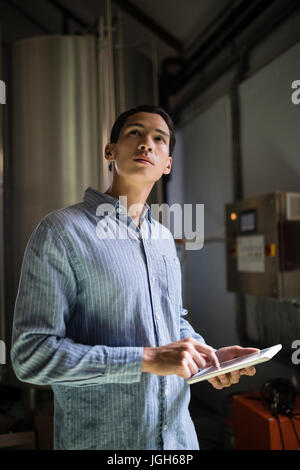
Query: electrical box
[263, 246]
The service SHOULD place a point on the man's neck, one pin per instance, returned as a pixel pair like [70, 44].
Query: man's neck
[136, 197]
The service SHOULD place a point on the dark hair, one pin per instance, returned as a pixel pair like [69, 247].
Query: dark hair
[145, 108]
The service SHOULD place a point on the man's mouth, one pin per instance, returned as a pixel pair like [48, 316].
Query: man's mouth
[144, 160]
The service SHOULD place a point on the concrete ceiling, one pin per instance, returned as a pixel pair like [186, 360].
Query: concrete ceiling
[182, 20]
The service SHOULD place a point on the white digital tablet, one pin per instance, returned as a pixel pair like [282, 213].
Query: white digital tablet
[235, 364]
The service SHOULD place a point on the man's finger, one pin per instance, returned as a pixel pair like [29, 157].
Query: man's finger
[200, 360]
[193, 367]
[248, 371]
[204, 349]
[240, 351]
[215, 382]
[235, 376]
[224, 379]
[185, 371]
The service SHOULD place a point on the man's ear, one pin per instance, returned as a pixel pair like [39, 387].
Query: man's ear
[168, 166]
[109, 152]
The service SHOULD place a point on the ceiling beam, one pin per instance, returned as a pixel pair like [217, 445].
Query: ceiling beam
[28, 17]
[240, 18]
[68, 13]
[240, 58]
[150, 24]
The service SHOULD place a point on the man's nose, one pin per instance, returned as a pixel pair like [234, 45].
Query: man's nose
[145, 148]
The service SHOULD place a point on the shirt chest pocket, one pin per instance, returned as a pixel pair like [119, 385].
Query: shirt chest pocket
[173, 278]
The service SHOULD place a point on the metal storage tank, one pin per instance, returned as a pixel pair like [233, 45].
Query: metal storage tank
[54, 142]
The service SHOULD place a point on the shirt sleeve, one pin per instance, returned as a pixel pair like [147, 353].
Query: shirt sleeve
[41, 353]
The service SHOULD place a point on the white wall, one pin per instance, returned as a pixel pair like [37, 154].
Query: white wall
[202, 158]
[270, 143]
[270, 126]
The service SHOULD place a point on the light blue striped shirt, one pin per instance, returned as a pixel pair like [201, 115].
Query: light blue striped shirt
[87, 304]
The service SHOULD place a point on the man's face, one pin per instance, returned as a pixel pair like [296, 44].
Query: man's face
[143, 136]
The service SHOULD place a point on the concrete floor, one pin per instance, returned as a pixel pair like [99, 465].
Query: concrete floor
[213, 429]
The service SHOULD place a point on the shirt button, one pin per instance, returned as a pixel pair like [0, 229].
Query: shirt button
[153, 279]
[166, 392]
[176, 261]
[158, 317]
[165, 427]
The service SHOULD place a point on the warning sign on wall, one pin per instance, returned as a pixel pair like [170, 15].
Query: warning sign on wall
[251, 254]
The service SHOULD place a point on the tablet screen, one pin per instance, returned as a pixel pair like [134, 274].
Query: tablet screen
[235, 364]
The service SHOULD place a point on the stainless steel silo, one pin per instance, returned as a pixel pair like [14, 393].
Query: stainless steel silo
[55, 143]
[54, 148]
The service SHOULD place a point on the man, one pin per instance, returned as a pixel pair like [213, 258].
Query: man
[99, 315]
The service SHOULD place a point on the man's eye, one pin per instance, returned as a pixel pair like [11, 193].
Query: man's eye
[159, 137]
[134, 131]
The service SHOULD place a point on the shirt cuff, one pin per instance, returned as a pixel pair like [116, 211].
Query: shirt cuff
[124, 364]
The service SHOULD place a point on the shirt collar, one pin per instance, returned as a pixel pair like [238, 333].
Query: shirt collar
[94, 198]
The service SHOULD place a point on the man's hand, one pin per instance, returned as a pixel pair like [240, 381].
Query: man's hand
[183, 358]
[225, 354]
